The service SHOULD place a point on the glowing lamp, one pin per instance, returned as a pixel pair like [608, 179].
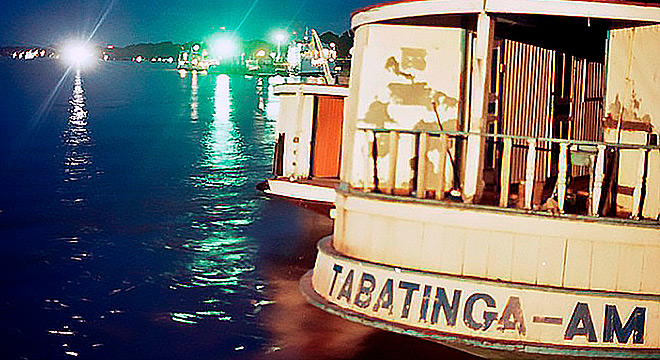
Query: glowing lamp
[280, 36]
[79, 54]
[223, 48]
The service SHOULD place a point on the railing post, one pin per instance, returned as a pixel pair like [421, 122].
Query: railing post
[505, 173]
[473, 183]
[638, 194]
[530, 173]
[421, 165]
[300, 99]
[369, 164]
[562, 175]
[394, 153]
[440, 192]
[599, 176]
[473, 167]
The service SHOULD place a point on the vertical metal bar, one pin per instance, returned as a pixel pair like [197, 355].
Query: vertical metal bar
[394, 153]
[421, 165]
[639, 185]
[505, 173]
[590, 172]
[442, 165]
[530, 172]
[599, 176]
[481, 67]
[472, 166]
[300, 99]
[561, 176]
[374, 155]
[369, 164]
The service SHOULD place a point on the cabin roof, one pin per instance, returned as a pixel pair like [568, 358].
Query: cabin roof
[647, 12]
[311, 89]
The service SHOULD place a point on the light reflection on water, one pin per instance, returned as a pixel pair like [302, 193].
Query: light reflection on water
[194, 97]
[223, 257]
[77, 177]
[76, 137]
[146, 239]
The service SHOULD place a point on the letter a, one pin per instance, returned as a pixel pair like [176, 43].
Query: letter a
[512, 309]
[581, 323]
[386, 297]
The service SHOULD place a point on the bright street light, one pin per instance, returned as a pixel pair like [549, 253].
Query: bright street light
[223, 48]
[280, 37]
[78, 53]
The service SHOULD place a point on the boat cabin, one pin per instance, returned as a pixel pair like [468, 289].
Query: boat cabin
[306, 163]
[524, 102]
[500, 181]
[309, 130]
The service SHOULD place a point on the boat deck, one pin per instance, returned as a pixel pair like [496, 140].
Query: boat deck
[319, 181]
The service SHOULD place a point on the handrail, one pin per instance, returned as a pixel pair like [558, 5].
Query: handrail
[465, 134]
[600, 160]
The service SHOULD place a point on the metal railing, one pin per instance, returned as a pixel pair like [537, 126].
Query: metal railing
[602, 160]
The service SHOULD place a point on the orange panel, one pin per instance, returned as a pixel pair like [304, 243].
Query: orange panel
[327, 136]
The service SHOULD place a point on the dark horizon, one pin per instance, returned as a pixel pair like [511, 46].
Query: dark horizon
[46, 46]
[122, 23]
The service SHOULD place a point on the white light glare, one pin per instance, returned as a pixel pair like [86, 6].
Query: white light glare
[280, 36]
[223, 47]
[78, 54]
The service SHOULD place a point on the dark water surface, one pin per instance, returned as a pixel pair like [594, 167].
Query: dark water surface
[130, 227]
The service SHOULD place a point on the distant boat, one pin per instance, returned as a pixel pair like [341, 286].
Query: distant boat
[499, 190]
[193, 57]
[306, 164]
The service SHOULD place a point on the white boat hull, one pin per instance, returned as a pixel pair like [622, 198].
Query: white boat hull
[493, 319]
[296, 190]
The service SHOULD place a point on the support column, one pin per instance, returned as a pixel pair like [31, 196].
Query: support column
[480, 80]
[300, 101]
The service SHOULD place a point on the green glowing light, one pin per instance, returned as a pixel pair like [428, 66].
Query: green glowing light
[280, 36]
[222, 47]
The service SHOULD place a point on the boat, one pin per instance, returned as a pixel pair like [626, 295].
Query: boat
[317, 59]
[499, 190]
[193, 58]
[306, 163]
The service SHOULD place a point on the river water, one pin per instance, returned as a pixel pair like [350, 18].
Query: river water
[130, 227]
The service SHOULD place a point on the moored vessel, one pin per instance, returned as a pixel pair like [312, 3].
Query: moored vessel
[306, 164]
[193, 57]
[500, 181]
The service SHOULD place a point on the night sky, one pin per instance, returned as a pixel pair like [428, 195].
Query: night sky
[48, 22]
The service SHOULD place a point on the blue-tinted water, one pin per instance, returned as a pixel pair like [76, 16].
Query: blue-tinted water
[130, 227]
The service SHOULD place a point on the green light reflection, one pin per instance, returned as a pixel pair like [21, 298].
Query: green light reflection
[222, 257]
